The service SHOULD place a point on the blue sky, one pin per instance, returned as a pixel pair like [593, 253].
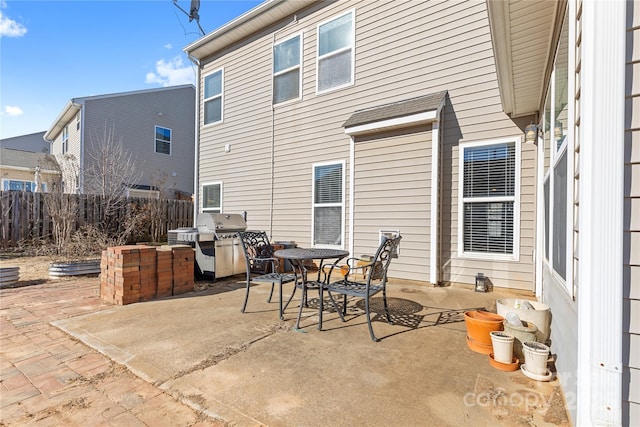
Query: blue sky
[52, 51]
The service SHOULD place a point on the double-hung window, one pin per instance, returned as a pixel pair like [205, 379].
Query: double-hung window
[163, 140]
[287, 70]
[212, 197]
[65, 140]
[328, 204]
[489, 199]
[336, 53]
[213, 97]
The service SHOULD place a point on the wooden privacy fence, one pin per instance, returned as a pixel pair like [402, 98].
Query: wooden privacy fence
[25, 215]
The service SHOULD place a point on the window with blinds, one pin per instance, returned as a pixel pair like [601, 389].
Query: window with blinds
[489, 198]
[327, 204]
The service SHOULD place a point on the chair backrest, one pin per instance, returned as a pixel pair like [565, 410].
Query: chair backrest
[387, 250]
[258, 252]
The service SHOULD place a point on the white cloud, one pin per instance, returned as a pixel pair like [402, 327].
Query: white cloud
[13, 111]
[9, 27]
[168, 46]
[171, 73]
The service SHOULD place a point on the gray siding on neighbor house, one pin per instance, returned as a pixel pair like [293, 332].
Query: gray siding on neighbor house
[631, 303]
[132, 117]
[403, 49]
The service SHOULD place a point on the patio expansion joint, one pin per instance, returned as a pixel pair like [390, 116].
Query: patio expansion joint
[229, 352]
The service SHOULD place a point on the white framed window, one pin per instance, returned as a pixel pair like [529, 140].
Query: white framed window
[335, 62]
[78, 121]
[287, 69]
[213, 97]
[558, 181]
[328, 204]
[489, 199]
[212, 197]
[19, 185]
[65, 140]
[162, 140]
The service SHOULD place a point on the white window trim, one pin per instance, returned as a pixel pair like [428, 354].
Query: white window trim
[299, 66]
[204, 184]
[335, 52]
[221, 96]
[517, 140]
[556, 153]
[65, 139]
[342, 204]
[155, 150]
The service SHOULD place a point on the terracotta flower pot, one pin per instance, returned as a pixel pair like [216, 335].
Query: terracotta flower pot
[479, 326]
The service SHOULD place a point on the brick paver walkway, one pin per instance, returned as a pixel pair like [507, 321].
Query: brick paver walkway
[48, 378]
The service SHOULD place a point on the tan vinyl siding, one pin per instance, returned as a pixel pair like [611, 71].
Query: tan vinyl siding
[631, 303]
[393, 192]
[403, 49]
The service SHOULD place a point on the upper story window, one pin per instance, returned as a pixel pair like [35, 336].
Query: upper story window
[65, 140]
[336, 58]
[213, 84]
[78, 121]
[163, 140]
[328, 204]
[287, 70]
[212, 197]
[489, 208]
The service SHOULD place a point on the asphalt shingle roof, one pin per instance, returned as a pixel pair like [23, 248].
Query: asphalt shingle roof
[396, 109]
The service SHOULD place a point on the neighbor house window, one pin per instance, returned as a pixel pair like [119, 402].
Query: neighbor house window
[489, 207]
[336, 52]
[213, 84]
[286, 70]
[163, 140]
[78, 121]
[328, 204]
[212, 197]
[17, 185]
[65, 140]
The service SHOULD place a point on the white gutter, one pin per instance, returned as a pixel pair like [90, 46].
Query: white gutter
[601, 225]
[68, 112]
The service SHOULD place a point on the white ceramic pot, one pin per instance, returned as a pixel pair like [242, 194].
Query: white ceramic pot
[535, 356]
[502, 346]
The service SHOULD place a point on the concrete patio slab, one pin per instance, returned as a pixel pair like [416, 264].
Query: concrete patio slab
[253, 369]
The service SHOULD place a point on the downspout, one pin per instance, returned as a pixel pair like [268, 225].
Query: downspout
[82, 130]
[196, 154]
[435, 230]
[352, 176]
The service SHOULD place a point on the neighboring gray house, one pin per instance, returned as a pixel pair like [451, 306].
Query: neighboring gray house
[331, 123]
[156, 126]
[33, 142]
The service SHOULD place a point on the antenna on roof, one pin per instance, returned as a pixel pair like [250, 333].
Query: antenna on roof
[193, 12]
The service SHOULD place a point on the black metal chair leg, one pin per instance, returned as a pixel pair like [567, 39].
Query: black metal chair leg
[386, 306]
[246, 295]
[321, 306]
[366, 307]
[271, 293]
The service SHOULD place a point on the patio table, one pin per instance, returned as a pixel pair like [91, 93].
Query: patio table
[297, 257]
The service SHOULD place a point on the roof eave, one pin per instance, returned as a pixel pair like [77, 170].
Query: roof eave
[263, 15]
[68, 112]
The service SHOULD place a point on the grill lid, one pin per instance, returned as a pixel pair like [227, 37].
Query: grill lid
[220, 222]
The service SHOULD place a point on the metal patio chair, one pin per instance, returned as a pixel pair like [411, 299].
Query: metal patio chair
[374, 280]
[258, 254]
